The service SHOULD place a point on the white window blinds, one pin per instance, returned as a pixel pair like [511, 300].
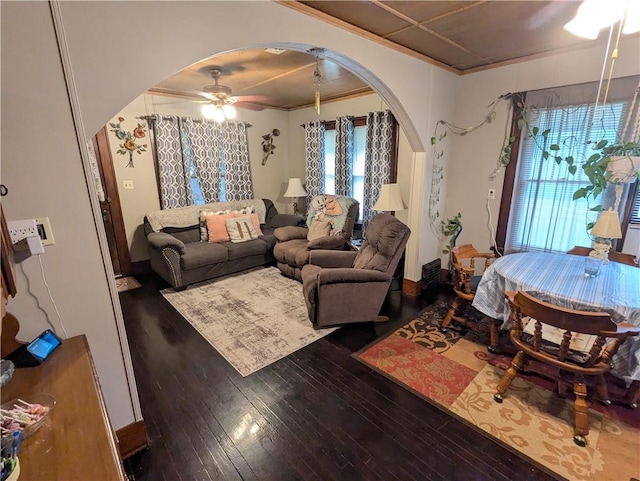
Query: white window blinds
[543, 214]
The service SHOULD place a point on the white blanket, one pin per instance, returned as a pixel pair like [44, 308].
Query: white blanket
[190, 216]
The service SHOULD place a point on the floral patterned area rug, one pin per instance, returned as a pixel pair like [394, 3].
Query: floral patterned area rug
[455, 372]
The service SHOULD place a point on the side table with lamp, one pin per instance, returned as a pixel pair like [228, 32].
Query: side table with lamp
[295, 190]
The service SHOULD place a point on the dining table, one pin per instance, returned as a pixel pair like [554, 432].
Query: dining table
[560, 279]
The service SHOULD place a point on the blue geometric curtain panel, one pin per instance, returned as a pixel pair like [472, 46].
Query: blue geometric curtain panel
[201, 145]
[378, 157]
[237, 168]
[314, 159]
[344, 155]
[175, 185]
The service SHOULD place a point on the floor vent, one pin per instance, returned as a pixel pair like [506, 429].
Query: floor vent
[431, 274]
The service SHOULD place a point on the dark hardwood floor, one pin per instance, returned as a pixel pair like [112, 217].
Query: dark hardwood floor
[318, 414]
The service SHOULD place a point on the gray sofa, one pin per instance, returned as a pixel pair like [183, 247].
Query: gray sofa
[178, 256]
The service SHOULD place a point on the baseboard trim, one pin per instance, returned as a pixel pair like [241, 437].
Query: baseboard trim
[444, 275]
[132, 438]
[141, 267]
[411, 288]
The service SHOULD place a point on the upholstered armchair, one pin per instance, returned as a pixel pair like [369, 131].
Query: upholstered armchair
[330, 222]
[342, 287]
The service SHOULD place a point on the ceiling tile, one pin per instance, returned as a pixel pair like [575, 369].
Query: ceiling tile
[364, 14]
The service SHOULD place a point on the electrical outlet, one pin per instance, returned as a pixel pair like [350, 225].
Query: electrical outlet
[22, 229]
[127, 184]
[492, 194]
[44, 231]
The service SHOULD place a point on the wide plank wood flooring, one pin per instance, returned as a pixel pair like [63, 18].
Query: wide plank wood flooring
[317, 414]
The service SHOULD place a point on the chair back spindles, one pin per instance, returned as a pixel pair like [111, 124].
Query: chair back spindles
[465, 281]
[576, 343]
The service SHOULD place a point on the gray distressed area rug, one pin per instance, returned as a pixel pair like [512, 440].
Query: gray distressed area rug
[251, 318]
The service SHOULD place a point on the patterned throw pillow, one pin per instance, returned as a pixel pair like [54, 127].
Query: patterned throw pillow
[319, 228]
[204, 230]
[240, 229]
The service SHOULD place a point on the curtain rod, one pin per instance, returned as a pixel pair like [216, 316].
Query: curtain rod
[195, 119]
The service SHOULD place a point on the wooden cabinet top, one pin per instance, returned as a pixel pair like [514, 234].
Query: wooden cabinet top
[77, 441]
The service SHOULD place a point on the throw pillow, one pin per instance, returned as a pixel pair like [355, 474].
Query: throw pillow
[204, 231]
[319, 228]
[240, 229]
[256, 223]
[216, 227]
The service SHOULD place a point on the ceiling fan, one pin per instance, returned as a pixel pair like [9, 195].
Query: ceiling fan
[222, 103]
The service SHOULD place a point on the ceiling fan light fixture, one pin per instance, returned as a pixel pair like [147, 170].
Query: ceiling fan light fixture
[208, 110]
[594, 15]
[582, 29]
[218, 114]
[632, 18]
[229, 111]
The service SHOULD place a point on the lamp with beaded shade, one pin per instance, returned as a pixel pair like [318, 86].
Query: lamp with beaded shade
[606, 228]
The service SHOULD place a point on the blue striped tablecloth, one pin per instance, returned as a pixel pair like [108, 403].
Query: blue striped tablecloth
[559, 279]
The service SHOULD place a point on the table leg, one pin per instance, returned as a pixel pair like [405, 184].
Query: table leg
[633, 395]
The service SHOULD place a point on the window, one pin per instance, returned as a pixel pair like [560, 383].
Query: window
[538, 211]
[357, 184]
[544, 215]
[635, 215]
[198, 198]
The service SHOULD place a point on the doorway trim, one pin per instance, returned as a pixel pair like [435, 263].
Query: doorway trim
[112, 197]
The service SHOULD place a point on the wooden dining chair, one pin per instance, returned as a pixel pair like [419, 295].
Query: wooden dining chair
[579, 251]
[574, 342]
[613, 255]
[465, 282]
[622, 258]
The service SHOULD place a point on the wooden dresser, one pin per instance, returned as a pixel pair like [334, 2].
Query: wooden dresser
[77, 442]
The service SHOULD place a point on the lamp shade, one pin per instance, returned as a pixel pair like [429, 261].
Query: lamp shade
[607, 226]
[390, 198]
[295, 189]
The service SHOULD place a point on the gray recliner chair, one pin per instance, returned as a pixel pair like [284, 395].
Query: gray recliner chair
[324, 231]
[342, 287]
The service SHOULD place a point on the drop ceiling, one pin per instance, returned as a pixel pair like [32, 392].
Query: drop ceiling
[460, 36]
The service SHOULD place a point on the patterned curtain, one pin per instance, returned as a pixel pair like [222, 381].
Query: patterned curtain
[344, 155]
[201, 143]
[173, 169]
[314, 159]
[237, 169]
[378, 155]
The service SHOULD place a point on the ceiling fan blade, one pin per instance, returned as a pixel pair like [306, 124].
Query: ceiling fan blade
[248, 106]
[249, 98]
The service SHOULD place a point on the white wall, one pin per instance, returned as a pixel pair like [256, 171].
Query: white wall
[42, 169]
[474, 156]
[113, 57]
[267, 179]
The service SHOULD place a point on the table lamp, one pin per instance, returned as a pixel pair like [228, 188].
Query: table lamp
[295, 190]
[390, 199]
[607, 227]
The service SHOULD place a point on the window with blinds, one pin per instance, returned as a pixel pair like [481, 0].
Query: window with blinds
[543, 215]
[635, 216]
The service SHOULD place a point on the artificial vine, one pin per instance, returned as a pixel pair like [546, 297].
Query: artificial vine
[440, 228]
